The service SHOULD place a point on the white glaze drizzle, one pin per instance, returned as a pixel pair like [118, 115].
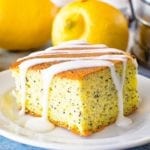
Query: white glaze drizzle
[69, 51]
[122, 120]
[72, 47]
[39, 124]
[75, 63]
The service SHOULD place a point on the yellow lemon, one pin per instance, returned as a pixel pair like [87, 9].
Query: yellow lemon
[93, 21]
[25, 24]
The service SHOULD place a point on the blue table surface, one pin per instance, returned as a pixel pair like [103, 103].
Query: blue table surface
[6, 144]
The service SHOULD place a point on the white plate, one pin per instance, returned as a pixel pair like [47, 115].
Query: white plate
[111, 137]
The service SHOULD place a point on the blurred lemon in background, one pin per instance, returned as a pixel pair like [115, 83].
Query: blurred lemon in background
[25, 24]
[93, 21]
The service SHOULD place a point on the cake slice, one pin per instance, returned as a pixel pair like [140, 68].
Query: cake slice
[80, 87]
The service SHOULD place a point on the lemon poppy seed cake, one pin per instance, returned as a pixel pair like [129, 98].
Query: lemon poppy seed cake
[77, 86]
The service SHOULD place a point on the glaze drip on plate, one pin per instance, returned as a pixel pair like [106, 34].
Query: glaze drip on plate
[104, 57]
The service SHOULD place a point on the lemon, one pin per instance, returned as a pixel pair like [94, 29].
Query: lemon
[25, 24]
[93, 21]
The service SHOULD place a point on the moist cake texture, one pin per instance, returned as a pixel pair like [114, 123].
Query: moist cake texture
[77, 86]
